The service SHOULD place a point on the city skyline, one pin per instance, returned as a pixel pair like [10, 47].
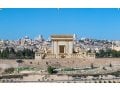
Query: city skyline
[91, 23]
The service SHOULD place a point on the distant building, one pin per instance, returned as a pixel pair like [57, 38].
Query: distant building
[25, 41]
[116, 45]
[39, 38]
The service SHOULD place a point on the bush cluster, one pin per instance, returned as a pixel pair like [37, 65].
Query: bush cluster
[10, 53]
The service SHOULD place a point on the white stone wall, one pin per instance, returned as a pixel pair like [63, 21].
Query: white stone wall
[68, 47]
[55, 51]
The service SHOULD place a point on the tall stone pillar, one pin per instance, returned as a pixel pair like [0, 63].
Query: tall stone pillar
[70, 47]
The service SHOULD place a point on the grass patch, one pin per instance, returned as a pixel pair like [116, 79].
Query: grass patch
[74, 69]
[117, 73]
[68, 69]
[25, 68]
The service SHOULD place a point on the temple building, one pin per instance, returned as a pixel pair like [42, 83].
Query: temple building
[62, 46]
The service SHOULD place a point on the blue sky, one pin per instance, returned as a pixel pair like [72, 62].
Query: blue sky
[93, 23]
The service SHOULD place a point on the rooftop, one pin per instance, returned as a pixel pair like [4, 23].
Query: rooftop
[62, 36]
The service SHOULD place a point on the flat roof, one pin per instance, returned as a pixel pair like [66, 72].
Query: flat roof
[61, 36]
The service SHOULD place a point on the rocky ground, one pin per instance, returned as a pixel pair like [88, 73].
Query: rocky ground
[102, 64]
[62, 63]
[81, 66]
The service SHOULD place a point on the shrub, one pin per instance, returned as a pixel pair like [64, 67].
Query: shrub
[114, 82]
[109, 82]
[105, 82]
[11, 76]
[9, 70]
[100, 81]
[110, 65]
[104, 68]
[50, 70]
[69, 69]
[92, 66]
[95, 81]
[117, 73]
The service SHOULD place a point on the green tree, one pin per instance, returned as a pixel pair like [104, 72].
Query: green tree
[28, 54]
[5, 53]
[50, 70]
[108, 53]
[12, 51]
[0, 54]
[19, 54]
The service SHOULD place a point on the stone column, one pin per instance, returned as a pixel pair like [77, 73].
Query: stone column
[70, 47]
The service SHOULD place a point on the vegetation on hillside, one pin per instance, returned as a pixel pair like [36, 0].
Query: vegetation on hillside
[108, 54]
[50, 70]
[12, 54]
[9, 70]
[117, 73]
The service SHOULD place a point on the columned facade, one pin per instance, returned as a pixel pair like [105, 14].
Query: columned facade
[62, 45]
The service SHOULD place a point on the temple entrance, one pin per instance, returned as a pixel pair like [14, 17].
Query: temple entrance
[61, 49]
[62, 45]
